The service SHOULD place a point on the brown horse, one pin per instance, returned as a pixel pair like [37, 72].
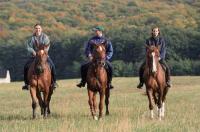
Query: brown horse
[155, 80]
[97, 81]
[39, 76]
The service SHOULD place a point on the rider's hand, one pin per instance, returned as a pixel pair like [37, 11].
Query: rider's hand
[90, 58]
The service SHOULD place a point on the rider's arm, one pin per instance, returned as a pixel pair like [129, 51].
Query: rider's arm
[162, 49]
[109, 50]
[88, 47]
[29, 46]
[46, 42]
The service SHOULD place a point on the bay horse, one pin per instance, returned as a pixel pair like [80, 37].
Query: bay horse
[97, 81]
[39, 76]
[155, 81]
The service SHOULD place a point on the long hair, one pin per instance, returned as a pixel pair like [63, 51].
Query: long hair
[155, 28]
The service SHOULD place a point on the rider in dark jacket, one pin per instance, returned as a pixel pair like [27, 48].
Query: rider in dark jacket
[97, 39]
[156, 40]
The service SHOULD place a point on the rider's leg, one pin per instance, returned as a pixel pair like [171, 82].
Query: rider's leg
[109, 71]
[53, 73]
[167, 73]
[26, 67]
[141, 72]
[84, 69]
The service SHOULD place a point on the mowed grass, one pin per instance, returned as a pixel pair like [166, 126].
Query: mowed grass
[128, 109]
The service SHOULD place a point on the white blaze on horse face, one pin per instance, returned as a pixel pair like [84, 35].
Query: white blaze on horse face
[154, 62]
[42, 52]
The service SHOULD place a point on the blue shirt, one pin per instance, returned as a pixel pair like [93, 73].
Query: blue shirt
[99, 40]
[158, 41]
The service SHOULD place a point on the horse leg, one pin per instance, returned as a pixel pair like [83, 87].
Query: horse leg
[94, 102]
[34, 101]
[45, 104]
[160, 96]
[101, 103]
[150, 98]
[40, 102]
[163, 101]
[90, 102]
[107, 94]
[49, 99]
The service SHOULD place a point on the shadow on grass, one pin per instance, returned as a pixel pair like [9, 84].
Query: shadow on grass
[29, 117]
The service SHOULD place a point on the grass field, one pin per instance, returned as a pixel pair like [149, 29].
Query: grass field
[128, 109]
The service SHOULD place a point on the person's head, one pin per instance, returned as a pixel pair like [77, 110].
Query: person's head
[37, 29]
[155, 32]
[98, 30]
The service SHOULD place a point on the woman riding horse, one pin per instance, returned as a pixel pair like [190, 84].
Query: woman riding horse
[156, 40]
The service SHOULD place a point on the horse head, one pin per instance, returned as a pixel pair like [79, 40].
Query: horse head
[99, 54]
[41, 58]
[152, 58]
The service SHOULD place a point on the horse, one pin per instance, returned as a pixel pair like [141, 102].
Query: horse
[97, 81]
[155, 81]
[39, 76]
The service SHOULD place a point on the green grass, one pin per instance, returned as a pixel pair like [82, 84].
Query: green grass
[128, 109]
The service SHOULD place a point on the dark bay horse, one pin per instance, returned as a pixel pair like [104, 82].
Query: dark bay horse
[97, 81]
[39, 76]
[155, 81]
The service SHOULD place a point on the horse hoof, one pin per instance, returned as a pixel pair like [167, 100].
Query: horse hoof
[107, 113]
[100, 118]
[34, 117]
[95, 118]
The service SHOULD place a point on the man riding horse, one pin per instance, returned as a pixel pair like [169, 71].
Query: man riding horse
[99, 38]
[38, 38]
[156, 40]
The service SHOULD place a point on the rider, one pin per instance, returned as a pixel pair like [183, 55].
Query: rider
[38, 37]
[156, 40]
[99, 38]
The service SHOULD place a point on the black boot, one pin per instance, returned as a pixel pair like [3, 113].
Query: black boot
[26, 87]
[140, 85]
[81, 84]
[54, 85]
[110, 86]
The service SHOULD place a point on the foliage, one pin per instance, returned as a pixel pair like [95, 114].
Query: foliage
[127, 23]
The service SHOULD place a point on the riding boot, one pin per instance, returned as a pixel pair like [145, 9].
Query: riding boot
[141, 72]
